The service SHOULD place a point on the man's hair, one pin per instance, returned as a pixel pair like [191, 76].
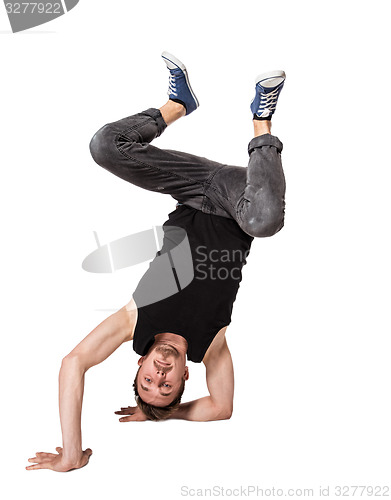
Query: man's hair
[157, 412]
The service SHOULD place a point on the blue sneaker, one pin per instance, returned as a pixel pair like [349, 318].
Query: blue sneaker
[179, 89]
[267, 87]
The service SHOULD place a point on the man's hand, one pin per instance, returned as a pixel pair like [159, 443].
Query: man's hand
[57, 462]
[134, 412]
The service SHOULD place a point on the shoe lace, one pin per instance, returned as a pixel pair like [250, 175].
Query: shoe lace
[269, 100]
[172, 85]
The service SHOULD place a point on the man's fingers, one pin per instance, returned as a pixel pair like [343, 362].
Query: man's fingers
[41, 457]
[126, 419]
[32, 467]
[129, 410]
[37, 466]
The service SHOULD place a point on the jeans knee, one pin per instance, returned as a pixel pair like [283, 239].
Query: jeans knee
[101, 145]
[269, 224]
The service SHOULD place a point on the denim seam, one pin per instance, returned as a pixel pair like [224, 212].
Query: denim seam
[135, 127]
[216, 189]
[208, 185]
[129, 129]
[153, 167]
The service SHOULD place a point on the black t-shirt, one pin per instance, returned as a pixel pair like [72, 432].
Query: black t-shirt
[191, 285]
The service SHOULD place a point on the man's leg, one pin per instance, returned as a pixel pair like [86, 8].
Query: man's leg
[255, 196]
[262, 209]
[124, 148]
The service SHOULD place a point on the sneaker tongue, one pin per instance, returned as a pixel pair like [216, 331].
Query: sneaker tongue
[176, 72]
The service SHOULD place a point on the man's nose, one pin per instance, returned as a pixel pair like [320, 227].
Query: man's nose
[160, 373]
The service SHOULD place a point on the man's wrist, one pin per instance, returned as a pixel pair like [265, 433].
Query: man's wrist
[71, 456]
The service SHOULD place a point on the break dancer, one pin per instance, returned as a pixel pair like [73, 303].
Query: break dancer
[220, 210]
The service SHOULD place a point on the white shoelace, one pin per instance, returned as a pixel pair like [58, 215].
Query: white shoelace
[172, 86]
[269, 101]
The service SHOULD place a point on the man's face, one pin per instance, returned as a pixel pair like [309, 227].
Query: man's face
[161, 373]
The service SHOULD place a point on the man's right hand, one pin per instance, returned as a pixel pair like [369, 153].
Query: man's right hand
[134, 414]
[57, 462]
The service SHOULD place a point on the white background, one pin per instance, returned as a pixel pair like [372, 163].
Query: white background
[310, 331]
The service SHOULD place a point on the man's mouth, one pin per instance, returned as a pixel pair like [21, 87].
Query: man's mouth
[162, 366]
[164, 363]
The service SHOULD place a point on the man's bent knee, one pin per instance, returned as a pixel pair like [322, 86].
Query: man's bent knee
[266, 226]
[101, 145]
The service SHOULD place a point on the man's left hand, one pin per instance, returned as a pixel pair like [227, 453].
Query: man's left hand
[134, 414]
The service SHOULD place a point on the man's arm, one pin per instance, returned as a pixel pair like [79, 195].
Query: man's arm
[92, 350]
[220, 381]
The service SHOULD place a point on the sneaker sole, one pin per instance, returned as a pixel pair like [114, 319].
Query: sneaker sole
[271, 75]
[177, 62]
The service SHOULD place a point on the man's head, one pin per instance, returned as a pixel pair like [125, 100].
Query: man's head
[160, 380]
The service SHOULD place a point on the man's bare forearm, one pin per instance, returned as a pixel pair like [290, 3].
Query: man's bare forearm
[71, 389]
[202, 410]
[93, 349]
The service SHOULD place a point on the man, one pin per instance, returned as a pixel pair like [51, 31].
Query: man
[220, 209]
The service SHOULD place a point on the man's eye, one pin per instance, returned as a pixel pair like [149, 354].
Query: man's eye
[166, 385]
[147, 379]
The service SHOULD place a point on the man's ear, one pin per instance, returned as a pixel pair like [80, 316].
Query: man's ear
[140, 361]
[186, 375]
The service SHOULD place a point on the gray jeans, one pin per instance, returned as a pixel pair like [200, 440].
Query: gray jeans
[253, 196]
